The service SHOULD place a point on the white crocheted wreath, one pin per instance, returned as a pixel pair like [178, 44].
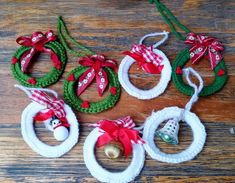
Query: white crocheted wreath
[178, 114]
[153, 122]
[104, 175]
[30, 137]
[164, 79]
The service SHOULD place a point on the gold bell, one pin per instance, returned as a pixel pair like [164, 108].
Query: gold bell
[113, 149]
[169, 133]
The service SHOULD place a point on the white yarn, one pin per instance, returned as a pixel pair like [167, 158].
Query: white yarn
[104, 175]
[29, 135]
[199, 133]
[151, 125]
[164, 79]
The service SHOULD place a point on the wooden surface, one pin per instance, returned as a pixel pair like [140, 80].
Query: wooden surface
[109, 27]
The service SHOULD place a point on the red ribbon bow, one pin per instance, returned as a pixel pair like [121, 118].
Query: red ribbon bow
[55, 107]
[202, 45]
[146, 58]
[37, 42]
[120, 130]
[96, 64]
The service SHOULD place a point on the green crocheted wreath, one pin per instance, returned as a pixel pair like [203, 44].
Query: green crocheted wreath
[91, 107]
[47, 79]
[184, 56]
[99, 66]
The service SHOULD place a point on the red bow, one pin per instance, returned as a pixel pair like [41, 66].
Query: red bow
[202, 45]
[37, 42]
[120, 130]
[96, 64]
[55, 107]
[146, 58]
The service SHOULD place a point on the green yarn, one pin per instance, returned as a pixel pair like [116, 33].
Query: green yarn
[183, 57]
[49, 78]
[64, 35]
[70, 86]
[95, 107]
[219, 81]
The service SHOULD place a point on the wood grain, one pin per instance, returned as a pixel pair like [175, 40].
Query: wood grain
[109, 27]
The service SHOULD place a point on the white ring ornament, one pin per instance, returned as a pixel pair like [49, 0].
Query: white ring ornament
[151, 125]
[30, 137]
[164, 78]
[177, 114]
[104, 175]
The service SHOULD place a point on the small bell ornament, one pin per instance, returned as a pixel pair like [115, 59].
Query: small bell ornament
[169, 133]
[60, 131]
[113, 150]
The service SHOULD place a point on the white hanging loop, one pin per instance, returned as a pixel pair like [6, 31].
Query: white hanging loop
[164, 33]
[197, 89]
[28, 90]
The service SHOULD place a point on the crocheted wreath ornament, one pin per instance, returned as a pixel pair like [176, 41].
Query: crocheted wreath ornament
[152, 61]
[169, 133]
[123, 131]
[201, 46]
[56, 116]
[37, 43]
[93, 67]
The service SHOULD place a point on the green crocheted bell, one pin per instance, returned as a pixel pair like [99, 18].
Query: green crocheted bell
[25, 55]
[201, 46]
[93, 68]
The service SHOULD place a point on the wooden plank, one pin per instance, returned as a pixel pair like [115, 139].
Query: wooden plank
[110, 27]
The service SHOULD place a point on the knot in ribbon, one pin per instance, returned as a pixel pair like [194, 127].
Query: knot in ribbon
[96, 64]
[37, 41]
[146, 58]
[120, 130]
[55, 107]
[204, 45]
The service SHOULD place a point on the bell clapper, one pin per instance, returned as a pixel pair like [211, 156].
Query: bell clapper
[60, 131]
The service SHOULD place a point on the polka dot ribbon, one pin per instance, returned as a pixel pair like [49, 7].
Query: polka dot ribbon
[204, 45]
[96, 71]
[120, 130]
[37, 41]
[146, 58]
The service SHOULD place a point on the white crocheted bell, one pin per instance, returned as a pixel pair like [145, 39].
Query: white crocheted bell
[169, 133]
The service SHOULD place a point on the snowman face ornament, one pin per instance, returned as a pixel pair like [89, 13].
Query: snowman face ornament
[60, 131]
[56, 116]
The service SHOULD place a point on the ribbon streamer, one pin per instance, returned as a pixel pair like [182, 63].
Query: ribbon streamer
[204, 45]
[120, 130]
[37, 41]
[146, 58]
[96, 64]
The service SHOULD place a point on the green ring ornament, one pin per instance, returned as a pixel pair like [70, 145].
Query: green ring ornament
[220, 70]
[93, 107]
[50, 77]
[220, 73]
[75, 77]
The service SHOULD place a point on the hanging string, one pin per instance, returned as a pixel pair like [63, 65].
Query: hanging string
[170, 19]
[164, 33]
[28, 90]
[63, 35]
